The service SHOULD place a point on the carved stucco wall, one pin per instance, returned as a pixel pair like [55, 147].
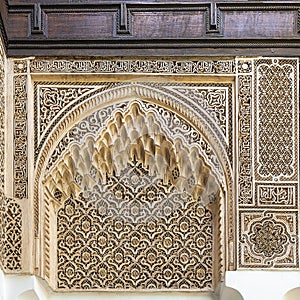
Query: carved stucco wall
[220, 136]
[269, 165]
[177, 167]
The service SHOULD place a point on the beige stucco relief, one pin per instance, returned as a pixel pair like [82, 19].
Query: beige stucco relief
[150, 174]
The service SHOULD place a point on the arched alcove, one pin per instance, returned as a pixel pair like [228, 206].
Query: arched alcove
[134, 198]
[293, 294]
[28, 295]
[230, 294]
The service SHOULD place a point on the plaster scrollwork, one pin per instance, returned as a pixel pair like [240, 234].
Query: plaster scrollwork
[53, 99]
[214, 100]
[146, 179]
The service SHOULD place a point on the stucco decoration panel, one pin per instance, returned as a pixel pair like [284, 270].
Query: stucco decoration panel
[247, 139]
[269, 162]
[11, 235]
[276, 113]
[269, 239]
[11, 244]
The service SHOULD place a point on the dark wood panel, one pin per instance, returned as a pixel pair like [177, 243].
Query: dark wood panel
[3, 11]
[70, 2]
[3, 21]
[153, 27]
[169, 47]
[18, 25]
[256, 23]
[157, 51]
[168, 24]
[80, 25]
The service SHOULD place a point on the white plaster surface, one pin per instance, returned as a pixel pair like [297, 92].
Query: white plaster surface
[238, 285]
[263, 285]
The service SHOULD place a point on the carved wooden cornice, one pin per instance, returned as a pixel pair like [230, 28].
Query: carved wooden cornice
[123, 28]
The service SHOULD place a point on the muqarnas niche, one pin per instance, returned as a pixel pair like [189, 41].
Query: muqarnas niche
[136, 204]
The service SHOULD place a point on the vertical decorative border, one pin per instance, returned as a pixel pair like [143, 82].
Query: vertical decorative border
[11, 208]
[244, 151]
[11, 235]
[268, 223]
[2, 148]
[20, 131]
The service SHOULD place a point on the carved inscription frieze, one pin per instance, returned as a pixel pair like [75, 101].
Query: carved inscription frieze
[2, 120]
[144, 66]
[272, 194]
